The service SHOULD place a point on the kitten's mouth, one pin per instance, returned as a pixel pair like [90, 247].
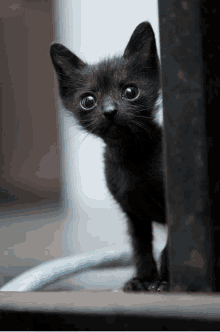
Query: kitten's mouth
[114, 131]
[112, 128]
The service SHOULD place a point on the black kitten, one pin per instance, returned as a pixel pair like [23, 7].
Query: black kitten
[117, 100]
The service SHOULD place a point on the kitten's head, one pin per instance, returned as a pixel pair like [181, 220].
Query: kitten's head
[116, 98]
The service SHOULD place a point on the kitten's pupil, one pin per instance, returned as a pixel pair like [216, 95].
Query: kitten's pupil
[130, 92]
[88, 102]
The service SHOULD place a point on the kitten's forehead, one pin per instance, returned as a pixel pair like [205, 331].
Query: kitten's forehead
[107, 74]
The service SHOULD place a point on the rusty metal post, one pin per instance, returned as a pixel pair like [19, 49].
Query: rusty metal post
[185, 140]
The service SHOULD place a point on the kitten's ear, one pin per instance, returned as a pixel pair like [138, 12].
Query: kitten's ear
[67, 66]
[142, 42]
[65, 62]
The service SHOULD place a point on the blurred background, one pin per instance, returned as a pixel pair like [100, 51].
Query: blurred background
[53, 197]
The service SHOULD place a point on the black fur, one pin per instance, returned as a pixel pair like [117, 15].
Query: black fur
[133, 154]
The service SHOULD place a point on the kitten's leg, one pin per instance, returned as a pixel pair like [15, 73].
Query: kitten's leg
[147, 277]
[164, 274]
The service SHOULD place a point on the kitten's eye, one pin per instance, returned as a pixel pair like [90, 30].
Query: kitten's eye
[88, 102]
[130, 92]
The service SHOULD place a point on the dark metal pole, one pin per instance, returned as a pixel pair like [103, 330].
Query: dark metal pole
[185, 141]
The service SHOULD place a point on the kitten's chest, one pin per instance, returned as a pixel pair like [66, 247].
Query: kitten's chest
[136, 187]
[127, 178]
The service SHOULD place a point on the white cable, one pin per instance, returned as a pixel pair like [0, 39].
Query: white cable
[63, 268]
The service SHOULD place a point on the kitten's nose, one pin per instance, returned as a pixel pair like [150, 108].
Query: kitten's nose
[110, 113]
[109, 109]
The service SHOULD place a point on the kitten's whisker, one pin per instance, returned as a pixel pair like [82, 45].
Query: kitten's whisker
[141, 109]
[132, 127]
[147, 129]
[81, 130]
[84, 138]
[142, 117]
[72, 136]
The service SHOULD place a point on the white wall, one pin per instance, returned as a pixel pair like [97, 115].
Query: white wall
[94, 29]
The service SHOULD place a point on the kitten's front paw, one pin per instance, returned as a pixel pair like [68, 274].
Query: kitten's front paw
[138, 285]
[163, 286]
